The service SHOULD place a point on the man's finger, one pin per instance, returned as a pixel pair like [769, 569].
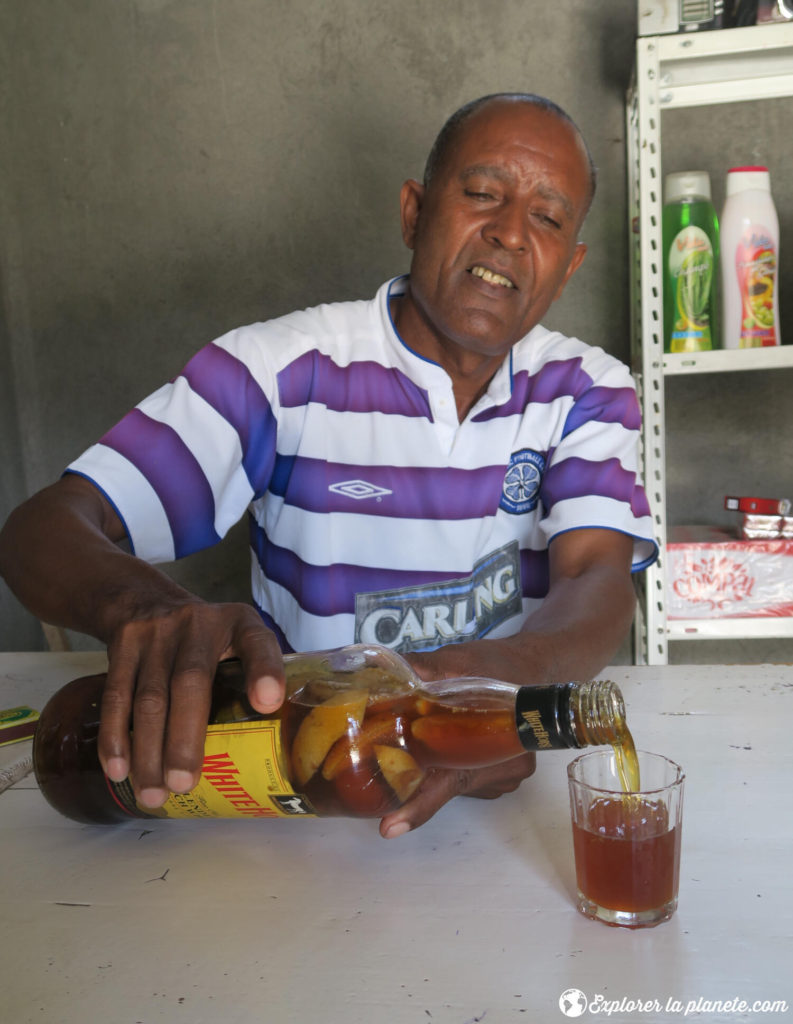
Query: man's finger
[437, 789]
[149, 714]
[263, 664]
[188, 715]
[116, 713]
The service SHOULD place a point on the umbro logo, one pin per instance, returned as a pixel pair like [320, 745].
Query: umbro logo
[359, 489]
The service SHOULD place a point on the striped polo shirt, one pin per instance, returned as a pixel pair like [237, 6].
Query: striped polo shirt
[374, 515]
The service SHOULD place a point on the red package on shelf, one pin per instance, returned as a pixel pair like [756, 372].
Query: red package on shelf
[759, 506]
[711, 574]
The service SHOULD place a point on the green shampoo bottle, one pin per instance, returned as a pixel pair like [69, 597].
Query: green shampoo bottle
[690, 233]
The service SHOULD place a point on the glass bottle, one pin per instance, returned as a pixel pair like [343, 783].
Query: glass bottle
[354, 737]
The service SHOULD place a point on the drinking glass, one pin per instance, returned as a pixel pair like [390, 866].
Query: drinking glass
[626, 844]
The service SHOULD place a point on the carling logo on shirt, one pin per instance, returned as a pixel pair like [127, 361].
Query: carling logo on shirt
[423, 618]
[521, 488]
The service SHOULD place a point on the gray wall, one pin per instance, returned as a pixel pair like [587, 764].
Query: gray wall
[170, 169]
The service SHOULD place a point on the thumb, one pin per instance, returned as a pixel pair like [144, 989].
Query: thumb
[438, 788]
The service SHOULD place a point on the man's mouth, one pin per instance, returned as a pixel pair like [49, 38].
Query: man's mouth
[491, 276]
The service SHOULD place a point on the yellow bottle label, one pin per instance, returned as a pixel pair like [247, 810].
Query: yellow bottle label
[242, 776]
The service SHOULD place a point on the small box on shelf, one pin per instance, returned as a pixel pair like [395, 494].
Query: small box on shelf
[713, 573]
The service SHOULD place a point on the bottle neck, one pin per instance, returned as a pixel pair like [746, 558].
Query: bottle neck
[598, 712]
[564, 715]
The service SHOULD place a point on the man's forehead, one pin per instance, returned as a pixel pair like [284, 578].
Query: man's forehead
[517, 123]
[500, 125]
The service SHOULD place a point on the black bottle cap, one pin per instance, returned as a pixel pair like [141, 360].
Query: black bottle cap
[542, 715]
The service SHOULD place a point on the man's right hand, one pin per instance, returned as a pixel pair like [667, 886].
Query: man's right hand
[159, 684]
[60, 554]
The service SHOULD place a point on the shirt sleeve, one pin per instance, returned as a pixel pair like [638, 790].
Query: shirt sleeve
[182, 466]
[592, 478]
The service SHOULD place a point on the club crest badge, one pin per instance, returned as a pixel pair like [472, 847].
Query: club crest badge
[521, 489]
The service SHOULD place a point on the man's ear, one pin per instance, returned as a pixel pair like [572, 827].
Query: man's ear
[411, 197]
[575, 263]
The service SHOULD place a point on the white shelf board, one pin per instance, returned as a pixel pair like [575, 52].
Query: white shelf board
[730, 629]
[721, 360]
[728, 66]
[752, 42]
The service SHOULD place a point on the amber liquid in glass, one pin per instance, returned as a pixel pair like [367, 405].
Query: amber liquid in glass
[627, 858]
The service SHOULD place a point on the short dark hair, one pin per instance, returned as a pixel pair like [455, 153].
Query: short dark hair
[450, 129]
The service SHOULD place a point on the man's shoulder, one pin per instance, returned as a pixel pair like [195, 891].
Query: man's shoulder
[342, 315]
[542, 347]
[325, 327]
[324, 318]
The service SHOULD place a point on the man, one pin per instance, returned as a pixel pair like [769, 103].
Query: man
[427, 468]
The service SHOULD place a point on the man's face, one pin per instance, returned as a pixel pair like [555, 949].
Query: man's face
[494, 234]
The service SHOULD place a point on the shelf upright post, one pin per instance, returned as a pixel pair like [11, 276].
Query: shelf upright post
[647, 341]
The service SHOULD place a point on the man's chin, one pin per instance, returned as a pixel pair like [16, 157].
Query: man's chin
[485, 334]
[476, 327]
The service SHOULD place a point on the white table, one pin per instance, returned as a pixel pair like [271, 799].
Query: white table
[469, 918]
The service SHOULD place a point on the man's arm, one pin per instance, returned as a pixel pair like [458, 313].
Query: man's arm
[576, 630]
[572, 636]
[60, 556]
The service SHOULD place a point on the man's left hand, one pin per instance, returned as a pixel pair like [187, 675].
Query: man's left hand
[442, 784]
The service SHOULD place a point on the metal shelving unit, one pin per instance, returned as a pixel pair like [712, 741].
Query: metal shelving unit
[696, 69]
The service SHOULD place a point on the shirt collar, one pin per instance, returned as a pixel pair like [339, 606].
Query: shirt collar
[425, 371]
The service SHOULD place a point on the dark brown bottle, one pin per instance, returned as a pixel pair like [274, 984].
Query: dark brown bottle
[354, 737]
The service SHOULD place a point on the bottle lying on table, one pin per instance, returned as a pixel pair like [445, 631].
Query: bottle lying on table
[354, 737]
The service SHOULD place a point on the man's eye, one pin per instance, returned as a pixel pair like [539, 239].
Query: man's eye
[548, 219]
[475, 194]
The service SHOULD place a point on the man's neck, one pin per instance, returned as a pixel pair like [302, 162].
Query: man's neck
[470, 372]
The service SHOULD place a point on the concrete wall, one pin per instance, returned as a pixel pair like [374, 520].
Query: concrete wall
[18, 630]
[170, 169]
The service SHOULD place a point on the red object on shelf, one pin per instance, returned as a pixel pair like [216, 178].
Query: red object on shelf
[759, 506]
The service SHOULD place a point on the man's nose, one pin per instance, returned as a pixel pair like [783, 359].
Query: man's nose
[508, 227]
